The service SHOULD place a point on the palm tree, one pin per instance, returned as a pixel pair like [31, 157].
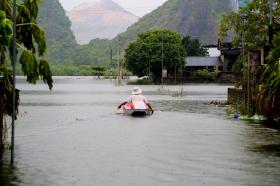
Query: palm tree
[31, 46]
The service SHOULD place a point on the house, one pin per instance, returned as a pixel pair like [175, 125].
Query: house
[229, 55]
[195, 63]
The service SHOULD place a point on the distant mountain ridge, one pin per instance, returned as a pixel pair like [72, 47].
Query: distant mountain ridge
[197, 18]
[104, 19]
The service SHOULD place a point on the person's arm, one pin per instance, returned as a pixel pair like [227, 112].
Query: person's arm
[122, 104]
[148, 104]
[150, 107]
[128, 100]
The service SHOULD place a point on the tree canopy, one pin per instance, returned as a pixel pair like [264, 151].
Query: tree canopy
[153, 49]
[193, 47]
[250, 23]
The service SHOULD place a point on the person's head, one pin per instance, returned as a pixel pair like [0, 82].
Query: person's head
[136, 91]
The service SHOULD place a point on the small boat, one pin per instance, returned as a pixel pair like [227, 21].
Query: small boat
[132, 110]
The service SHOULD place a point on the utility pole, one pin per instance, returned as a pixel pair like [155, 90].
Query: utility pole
[111, 63]
[150, 60]
[162, 61]
[121, 70]
[182, 67]
[14, 82]
[118, 59]
[175, 74]
[149, 68]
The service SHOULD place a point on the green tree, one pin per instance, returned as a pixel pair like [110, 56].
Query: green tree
[193, 47]
[268, 99]
[31, 46]
[251, 25]
[153, 49]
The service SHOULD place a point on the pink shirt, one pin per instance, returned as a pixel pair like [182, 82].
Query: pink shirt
[136, 98]
[138, 101]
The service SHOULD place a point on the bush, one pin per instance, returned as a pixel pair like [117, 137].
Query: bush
[268, 98]
[206, 74]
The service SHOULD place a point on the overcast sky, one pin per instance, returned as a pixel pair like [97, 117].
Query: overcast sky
[137, 7]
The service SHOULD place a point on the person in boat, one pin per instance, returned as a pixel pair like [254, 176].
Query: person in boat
[137, 99]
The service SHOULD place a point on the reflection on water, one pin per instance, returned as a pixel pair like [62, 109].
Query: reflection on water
[8, 175]
[74, 135]
[271, 149]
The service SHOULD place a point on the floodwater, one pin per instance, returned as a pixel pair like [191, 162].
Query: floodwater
[74, 135]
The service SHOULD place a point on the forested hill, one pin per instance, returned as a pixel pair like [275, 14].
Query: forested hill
[62, 47]
[60, 39]
[197, 18]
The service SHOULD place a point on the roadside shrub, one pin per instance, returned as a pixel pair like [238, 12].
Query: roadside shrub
[206, 74]
[268, 99]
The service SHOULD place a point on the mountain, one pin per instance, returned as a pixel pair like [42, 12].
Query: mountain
[197, 18]
[60, 39]
[102, 19]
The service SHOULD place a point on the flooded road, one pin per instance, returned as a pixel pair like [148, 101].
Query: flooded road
[74, 135]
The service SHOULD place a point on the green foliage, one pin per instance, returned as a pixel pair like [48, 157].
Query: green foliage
[206, 74]
[6, 93]
[238, 66]
[27, 28]
[249, 24]
[193, 47]
[81, 70]
[5, 29]
[39, 37]
[275, 52]
[45, 72]
[115, 73]
[153, 48]
[29, 66]
[269, 91]
[30, 45]
[96, 53]
[237, 108]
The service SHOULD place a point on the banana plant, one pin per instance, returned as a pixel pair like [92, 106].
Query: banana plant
[31, 46]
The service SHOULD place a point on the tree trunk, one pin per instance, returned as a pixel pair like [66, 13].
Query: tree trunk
[1, 127]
